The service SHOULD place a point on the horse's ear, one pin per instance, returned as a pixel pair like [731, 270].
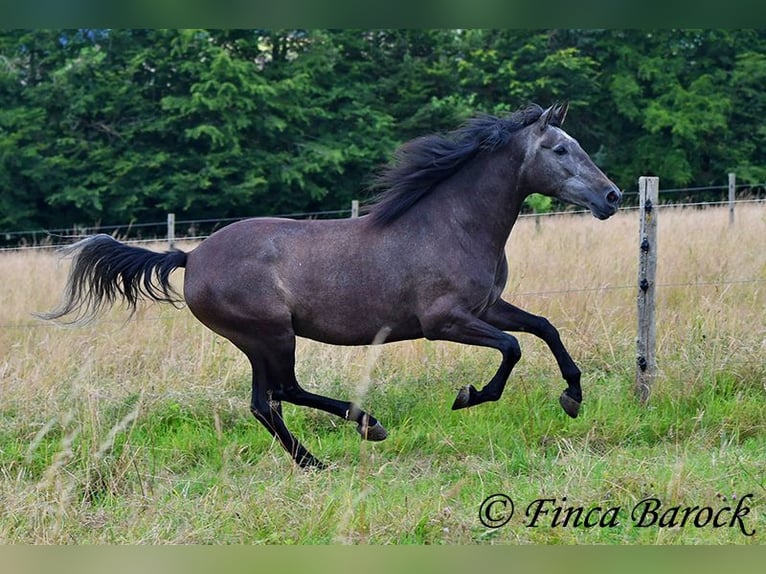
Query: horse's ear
[545, 119]
[554, 115]
[560, 113]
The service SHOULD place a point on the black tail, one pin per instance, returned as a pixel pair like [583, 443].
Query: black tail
[105, 269]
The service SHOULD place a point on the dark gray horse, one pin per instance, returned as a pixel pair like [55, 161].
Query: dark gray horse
[427, 260]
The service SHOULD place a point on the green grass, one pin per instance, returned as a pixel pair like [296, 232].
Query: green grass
[195, 471]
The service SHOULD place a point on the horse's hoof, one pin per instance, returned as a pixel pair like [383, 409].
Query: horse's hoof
[570, 406]
[463, 398]
[374, 433]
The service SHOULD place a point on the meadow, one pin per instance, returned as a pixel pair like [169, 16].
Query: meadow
[138, 431]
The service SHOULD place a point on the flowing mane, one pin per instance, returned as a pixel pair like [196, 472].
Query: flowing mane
[420, 164]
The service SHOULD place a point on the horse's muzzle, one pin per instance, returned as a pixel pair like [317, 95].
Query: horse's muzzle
[608, 203]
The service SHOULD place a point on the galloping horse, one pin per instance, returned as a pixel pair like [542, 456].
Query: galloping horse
[426, 260]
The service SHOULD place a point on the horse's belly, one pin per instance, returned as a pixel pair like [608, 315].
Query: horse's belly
[359, 331]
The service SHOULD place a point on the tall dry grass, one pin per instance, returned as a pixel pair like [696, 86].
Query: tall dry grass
[710, 299]
[71, 399]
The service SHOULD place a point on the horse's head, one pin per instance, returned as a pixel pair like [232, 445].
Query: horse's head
[556, 165]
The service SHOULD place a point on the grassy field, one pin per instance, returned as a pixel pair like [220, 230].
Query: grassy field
[139, 431]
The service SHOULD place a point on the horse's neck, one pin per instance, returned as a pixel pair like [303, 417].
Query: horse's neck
[484, 201]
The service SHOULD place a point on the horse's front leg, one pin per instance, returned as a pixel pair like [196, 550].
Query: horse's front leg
[460, 326]
[507, 317]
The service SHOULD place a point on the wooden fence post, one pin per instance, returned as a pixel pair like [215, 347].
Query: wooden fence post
[354, 208]
[171, 230]
[648, 190]
[732, 196]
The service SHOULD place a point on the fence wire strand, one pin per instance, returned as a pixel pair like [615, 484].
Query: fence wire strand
[59, 233]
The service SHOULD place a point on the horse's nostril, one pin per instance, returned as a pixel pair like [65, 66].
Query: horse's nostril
[613, 197]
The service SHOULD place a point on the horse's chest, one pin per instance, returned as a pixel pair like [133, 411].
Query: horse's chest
[486, 289]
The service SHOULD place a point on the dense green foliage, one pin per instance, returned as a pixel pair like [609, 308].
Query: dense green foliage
[113, 126]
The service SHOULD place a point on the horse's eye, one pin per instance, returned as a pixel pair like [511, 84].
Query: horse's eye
[560, 149]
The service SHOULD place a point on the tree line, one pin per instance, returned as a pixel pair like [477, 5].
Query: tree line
[111, 126]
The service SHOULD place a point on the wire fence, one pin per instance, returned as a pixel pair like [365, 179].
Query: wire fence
[198, 229]
[134, 232]
[51, 239]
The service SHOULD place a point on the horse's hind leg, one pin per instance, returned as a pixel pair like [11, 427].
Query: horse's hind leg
[366, 425]
[268, 412]
[281, 368]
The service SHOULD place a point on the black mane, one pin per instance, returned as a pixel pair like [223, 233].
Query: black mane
[422, 163]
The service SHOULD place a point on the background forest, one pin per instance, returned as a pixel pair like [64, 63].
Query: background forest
[113, 126]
